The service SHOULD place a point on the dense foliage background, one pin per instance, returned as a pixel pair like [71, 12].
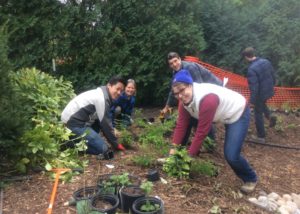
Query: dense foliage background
[88, 41]
[92, 40]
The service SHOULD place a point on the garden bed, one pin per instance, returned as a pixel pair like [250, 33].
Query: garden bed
[277, 168]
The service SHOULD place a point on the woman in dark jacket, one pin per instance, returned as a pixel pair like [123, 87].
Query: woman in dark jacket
[122, 108]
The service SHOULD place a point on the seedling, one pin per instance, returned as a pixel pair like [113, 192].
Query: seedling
[148, 207]
[126, 138]
[115, 182]
[209, 144]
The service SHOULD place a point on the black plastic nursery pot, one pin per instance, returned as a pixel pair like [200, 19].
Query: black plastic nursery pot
[153, 175]
[128, 195]
[104, 204]
[82, 197]
[137, 205]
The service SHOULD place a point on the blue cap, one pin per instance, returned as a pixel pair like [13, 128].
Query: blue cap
[182, 76]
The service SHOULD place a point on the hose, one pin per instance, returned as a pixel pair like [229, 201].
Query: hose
[274, 145]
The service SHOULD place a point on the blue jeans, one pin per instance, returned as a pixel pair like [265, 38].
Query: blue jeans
[260, 109]
[235, 134]
[95, 143]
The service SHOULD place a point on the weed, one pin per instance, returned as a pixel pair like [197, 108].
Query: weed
[209, 144]
[279, 124]
[126, 138]
[216, 208]
[143, 160]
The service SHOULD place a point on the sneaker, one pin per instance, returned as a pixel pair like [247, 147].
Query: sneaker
[121, 147]
[258, 139]
[273, 120]
[248, 187]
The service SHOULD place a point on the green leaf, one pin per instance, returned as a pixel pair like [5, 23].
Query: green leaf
[48, 167]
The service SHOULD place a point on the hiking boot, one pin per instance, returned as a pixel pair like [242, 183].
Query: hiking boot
[273, 120]
[258, 139]
[248, 187]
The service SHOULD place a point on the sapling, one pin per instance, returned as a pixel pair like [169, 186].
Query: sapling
[115, 182]
[148, 207]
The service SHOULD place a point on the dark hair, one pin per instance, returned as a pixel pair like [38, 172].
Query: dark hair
[172, 55]
[116, 79]
[248, 52]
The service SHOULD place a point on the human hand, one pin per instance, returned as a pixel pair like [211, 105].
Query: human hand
[172, 151]
[164, 110]
[117, 133]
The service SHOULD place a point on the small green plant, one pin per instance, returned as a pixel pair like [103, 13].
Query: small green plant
[148, 207]
[115, 182]
[143, 160]
[279, 124]
[126, 138]
[209, 144]
[204, 168]
[178, 164]
[216, 208]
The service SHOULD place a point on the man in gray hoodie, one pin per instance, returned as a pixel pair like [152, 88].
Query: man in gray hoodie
[199, 74]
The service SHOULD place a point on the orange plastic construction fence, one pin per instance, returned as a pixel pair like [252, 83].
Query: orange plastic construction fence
[284, 98]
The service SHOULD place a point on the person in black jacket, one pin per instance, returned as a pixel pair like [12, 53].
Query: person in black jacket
[91, 109]
[261, 81]
[199, 75]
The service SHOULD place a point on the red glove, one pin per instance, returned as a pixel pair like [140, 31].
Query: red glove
[121, 147]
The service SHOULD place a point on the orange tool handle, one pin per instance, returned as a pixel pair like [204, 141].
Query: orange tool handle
[57, 175]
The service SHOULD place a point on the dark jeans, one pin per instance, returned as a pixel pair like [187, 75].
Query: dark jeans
[193, 124]
[260, 110]
[95, 143]
[235, 134]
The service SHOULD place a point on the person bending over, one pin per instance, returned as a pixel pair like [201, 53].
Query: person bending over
[210, 103]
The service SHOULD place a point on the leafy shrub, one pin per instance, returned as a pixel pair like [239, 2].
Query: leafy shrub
[43, 97]
[204, 168]
[178, 165]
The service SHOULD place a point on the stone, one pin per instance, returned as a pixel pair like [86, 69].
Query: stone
[287, 197]
[283, 210]
[273, 195]
[296, 199]
[292, 206]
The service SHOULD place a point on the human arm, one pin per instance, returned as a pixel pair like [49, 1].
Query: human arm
[107, 128]
[200, 74]
[128, 109]
[253, 84]
[207, 110]
[182, 124]
[171, 102]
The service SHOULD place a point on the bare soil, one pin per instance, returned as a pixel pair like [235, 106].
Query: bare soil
[278, 170]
